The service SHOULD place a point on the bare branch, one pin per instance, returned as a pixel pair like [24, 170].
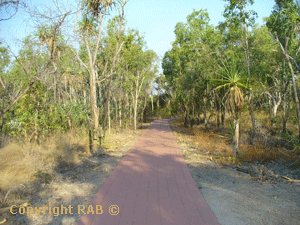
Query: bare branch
[99, 36]
[32, 82]
[9, 4]
[19, 95]
[5, 89]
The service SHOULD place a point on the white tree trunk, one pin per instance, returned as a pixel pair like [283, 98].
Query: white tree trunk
[135, 110]
[120, 112]
[236, 137]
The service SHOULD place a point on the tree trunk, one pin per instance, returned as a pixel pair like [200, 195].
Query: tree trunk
[135, 107]
[130, 114]
[253, 119]
[135, 113]
[55, 88]
[152, 106]
[158, 94]
[116, 110]
[59, 93]
[285, 98]
[127, 110]
[135, 96]
[218, 114]
[71, 92]
[270, 113]
[193, 106]
[186, 120]
[84, 97]
[108, 116]
[284, 117]
[285, 110]
[204, 112]
[235, 146]
[295, 95]
[94, 112]
[120, 112]
[144, 112]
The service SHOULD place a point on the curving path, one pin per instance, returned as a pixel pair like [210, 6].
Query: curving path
[152, 185]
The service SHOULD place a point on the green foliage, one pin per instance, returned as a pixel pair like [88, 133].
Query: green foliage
[234, 83]
[193, 59]
[34, 114]
[96, 7]
[230, 76]
[237, 14]
[261, 45]
[284, 20]
[87, 24]
[4, 59]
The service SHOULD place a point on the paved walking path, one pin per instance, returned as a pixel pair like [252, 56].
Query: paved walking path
[152, 185]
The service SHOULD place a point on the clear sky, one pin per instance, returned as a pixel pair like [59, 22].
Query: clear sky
[156, 19]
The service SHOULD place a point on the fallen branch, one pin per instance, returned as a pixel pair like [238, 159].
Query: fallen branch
[290, 179]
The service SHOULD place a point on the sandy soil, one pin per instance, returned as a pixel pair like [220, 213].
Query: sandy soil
[236, 197]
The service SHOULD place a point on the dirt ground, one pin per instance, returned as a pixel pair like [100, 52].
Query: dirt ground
[237, 197]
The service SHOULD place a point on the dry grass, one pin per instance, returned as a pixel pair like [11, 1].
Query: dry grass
[25, 168]
[217, 143]
[28, 171]
[263, 154]
[28, 162]
[207, 143]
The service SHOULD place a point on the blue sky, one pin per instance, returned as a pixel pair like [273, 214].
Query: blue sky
[156, 19]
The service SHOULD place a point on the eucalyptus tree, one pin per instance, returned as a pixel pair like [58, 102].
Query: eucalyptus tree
[141, 69]
[35, 74]
[89, 27]
[52, 41]
[268, 73]
[191, 62]
[4, 92]
[109, 60]
[4, 62]
[283, 24]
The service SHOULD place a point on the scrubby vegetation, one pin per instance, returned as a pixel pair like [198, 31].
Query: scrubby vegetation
[239, 79]
[234, 88]
[66, 94]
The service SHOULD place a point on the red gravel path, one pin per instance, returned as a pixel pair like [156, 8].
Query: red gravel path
[151, 185]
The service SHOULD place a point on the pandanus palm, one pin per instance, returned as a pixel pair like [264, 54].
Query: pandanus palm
[233, 83]
[87, 24]
[49, 38]
[97, 6]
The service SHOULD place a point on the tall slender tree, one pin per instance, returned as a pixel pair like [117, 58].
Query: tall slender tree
[90, 30]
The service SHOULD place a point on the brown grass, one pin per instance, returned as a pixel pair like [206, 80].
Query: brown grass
[217, 143]
[26, 168]
[28, 162]
[264, 154]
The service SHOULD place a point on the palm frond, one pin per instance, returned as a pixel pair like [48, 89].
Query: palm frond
[234, 83]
